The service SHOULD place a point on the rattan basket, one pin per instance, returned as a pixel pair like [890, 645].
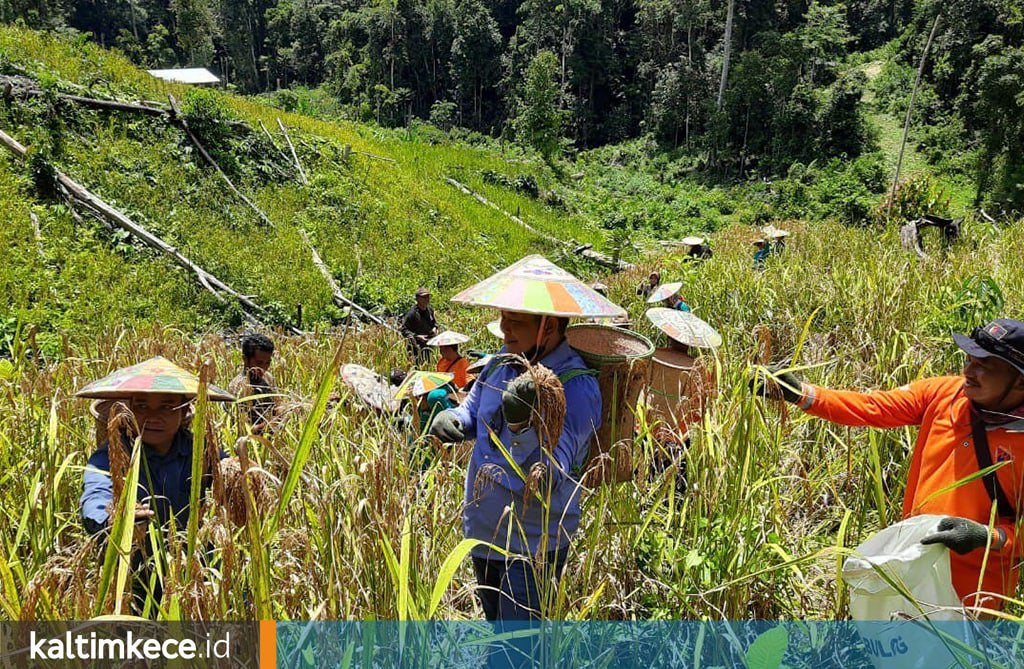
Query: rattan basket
[622, 359]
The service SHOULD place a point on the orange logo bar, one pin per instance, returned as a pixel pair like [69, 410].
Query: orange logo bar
[268, 644]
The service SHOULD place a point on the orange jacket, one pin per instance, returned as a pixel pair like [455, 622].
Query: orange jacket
[944, 454]
[458, 368]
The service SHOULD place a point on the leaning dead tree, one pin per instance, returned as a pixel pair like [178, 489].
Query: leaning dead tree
[910, 233]
[80, 197]
[583, 250]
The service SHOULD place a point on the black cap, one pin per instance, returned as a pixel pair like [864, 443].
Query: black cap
[1002, 338]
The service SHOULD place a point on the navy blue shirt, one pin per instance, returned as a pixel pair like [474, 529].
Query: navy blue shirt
[165, 482]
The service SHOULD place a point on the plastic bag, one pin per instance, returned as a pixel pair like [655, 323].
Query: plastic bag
[921, 570]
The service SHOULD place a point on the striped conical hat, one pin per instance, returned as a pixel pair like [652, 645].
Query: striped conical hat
[155, 376]
[535, 285]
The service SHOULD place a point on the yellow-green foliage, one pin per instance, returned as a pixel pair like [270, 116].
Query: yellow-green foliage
[367, 217]
[770, 497]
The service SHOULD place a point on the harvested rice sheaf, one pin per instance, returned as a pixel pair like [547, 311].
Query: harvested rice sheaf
[549, 411]
[232, 493]
[121, 421]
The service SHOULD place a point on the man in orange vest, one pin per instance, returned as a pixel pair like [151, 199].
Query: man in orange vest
[968, 423]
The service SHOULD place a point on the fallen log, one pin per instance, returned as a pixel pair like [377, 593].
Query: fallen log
[585, 250]
[25, 87]
[295, 157]
[339, 297]
[79, 194]
[179, 119]
[348, 149]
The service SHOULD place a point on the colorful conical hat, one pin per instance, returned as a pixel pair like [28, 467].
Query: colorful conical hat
[370, 387]
[694, 241]
[448, 338]
[156, 375]
[494, 327]
[684, 327]
[664, 291]
[420, 382]
[534, 285]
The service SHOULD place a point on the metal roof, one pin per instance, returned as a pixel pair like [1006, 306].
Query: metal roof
[187, 75]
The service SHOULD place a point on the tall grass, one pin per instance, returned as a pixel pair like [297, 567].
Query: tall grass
[366, 530]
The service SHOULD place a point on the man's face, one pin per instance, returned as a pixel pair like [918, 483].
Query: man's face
[159, 416]
[422, 301]
[654, 279]
[259, 360]
[992, 383]
[520, 331]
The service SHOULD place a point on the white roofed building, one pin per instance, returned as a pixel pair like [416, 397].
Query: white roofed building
[199, 76]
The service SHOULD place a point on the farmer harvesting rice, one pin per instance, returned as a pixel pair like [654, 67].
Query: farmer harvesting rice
[418, 326]
[647, 287]
[967, 423]
[698, 248]
[668, 294]
[761, 252]
[255, 380]
[536, 300]
[157, 392]
[431, 393]
[776, 239]
[451, 360]
[681, 383]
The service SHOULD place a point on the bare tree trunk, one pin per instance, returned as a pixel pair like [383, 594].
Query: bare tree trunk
[910, 108]
[727, 53]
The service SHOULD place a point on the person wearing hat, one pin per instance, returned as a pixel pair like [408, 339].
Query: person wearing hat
[647, 287]
[418, 326]
[682, 383]
[536, 300]
[968, 423]
[698, 248]
[776, 239]
[762, 249]
[450, 360]
[668, 295]
[157, 393]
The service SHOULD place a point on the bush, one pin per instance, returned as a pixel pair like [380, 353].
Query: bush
[915, 196]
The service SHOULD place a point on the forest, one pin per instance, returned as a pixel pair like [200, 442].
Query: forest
[743, 89]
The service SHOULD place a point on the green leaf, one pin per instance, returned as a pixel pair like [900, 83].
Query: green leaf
[447, 572]
[767, 650]
[310, 432]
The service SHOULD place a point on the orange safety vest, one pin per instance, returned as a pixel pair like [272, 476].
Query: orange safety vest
[944, 454]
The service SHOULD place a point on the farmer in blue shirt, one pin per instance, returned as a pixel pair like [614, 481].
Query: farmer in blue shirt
[502, 401]
[668, 295]
[536, 299]
[165, 473]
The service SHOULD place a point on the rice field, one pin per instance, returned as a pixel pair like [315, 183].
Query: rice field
[365, 521]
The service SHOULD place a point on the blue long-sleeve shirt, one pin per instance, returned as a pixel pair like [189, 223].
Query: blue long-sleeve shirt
[484, 514]
[165, 482]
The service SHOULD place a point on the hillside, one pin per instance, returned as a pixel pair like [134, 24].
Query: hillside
[371, 528]
[366, 216]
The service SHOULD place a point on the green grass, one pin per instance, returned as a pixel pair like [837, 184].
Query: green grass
[770, 497]
[364, 528]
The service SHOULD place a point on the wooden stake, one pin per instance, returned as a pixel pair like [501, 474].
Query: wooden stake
[910, 108]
